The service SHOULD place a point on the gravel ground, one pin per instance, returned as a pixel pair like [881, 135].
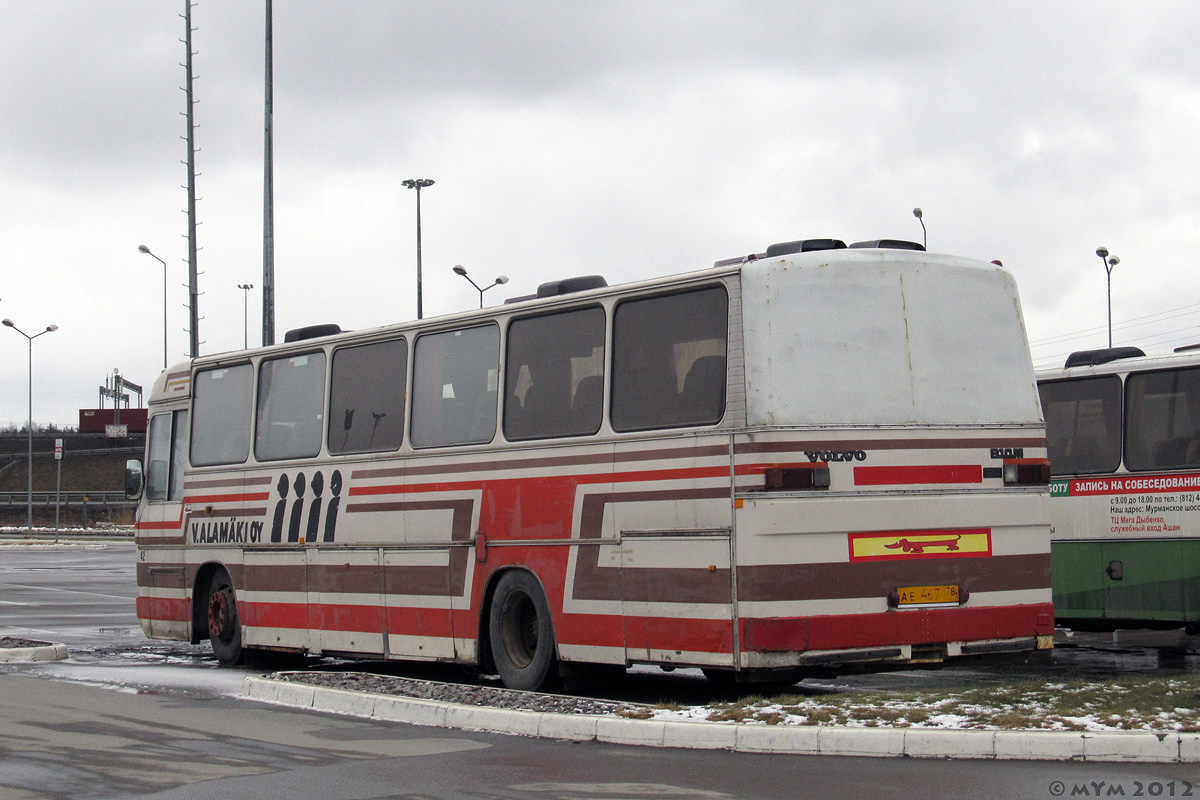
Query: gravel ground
[456, 693]
[8, 642]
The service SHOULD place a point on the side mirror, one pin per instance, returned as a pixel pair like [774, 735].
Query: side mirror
[133, 479]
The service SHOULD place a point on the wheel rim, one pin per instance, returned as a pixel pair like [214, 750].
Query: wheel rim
[220, 614]
[520, 630]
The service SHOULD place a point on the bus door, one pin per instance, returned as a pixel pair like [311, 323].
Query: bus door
[676, 585]
[1146, 580]
[345, 602]
[426, 575]
[161, 522]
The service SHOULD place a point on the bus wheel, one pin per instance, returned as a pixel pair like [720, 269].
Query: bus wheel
[224, 627]
[522, 633]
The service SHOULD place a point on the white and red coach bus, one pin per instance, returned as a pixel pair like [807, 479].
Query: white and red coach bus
[813, 460]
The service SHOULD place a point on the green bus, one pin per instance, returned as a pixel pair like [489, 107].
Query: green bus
[1123, 435]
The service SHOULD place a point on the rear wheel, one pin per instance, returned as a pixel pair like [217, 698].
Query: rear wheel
[224, 626]
[522, 634]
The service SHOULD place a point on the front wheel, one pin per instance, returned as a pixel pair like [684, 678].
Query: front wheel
[224, 626]
[522, 634]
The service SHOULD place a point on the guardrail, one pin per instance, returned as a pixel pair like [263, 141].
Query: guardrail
[96, 451]
[70, 499]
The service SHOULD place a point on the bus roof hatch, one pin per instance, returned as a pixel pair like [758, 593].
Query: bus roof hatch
[804, 246]
[312, 332]
[1092, 358]
[568, 285]
[890, 244]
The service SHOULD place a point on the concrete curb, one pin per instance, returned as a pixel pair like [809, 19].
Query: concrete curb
[1132, 746]
[43, 652]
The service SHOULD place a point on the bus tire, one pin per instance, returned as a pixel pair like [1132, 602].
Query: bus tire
[224, 624]
[521, 633]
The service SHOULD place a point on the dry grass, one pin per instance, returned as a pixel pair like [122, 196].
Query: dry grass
[1135, 703]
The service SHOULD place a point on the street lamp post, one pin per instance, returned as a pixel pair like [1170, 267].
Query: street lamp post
[499, 281]
[143, 249]
[29, 463]
[921, 219]
[1109, 262]
[245, 287]
[418, 184]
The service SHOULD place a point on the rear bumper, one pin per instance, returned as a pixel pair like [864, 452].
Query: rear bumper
[895, 638]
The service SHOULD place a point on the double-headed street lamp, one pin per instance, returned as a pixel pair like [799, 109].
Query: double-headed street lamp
[499, 281]
[29, 463]
[143, 249]
[1109, 262]
[418, 184]
[245, 287]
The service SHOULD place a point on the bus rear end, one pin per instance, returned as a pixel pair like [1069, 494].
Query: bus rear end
[892, 476]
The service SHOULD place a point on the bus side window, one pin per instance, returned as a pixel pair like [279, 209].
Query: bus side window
[1163, 419]
[291, 402]
[167, 456]
[367, 397]
[455, 376]
[669, 357]
[1083, 424]
[158, 468]
[221, 414]
[178, 455]
[554, 380]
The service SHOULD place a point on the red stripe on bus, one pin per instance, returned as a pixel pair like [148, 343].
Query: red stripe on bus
[159, 526]
[227, 498]
[784, 634]
[594, 630]
[587, 478]
[336, 617]
[274, 615]
[165, 525]
[694, 635]
[797, 633]
[347, 618]
[915, 626]
[167, 609]
[905, 476]
[422, 622]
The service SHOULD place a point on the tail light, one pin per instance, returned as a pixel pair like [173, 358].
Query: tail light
[804, 476]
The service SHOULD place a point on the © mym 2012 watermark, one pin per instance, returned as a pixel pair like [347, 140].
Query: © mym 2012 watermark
[1128, 788]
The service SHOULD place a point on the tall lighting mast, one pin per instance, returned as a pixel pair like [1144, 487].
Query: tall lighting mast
[268, 280]
[418, 184]
[193, 291]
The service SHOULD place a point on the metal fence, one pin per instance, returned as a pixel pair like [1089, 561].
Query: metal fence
[72, 499]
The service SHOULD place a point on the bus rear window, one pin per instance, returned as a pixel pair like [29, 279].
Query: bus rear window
[1083, 424]
[1162, 428]
[669, 356]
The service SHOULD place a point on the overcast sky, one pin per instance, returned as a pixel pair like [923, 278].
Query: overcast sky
[630, 139]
